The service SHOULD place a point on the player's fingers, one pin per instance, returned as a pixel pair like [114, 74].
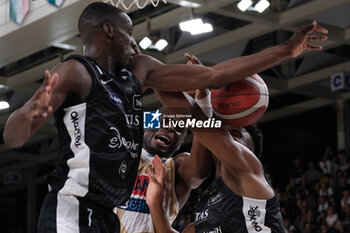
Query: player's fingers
[54, 81]
[187, 55]
[308, 28]
[319, 38]
[314, 47]
[47, 78]
[321, 29]
[158, 165]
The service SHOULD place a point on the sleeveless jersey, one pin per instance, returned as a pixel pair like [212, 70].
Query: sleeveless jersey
[135, 216]
[219, 210]
[100, 139]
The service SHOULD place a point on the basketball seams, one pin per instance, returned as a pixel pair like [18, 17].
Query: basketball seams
[245, 89]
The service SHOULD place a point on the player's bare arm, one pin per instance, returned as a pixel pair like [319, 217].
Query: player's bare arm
[182, 77]
[155, 196]
[64, 81]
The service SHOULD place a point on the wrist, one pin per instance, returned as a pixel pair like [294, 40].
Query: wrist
[287, 49]
[155, 206]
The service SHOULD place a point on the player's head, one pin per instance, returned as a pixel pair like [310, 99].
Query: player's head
[257, 139]
[250, 136]
[164, 141]
[110, 27]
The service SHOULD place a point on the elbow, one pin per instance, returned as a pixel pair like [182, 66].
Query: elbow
[11, 143]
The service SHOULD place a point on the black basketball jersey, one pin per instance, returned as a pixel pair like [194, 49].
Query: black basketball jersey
[219, 210]
[100, 139]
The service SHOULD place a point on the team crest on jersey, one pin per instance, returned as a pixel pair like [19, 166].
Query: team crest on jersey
[122, 169]
[114, 98]
[137, 103]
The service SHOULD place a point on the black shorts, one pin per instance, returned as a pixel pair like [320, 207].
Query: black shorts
[70, 214]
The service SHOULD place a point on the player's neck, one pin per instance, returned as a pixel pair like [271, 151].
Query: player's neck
[101, 57]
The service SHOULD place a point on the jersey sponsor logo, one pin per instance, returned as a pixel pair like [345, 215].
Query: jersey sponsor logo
[118, 141]
[215, 197]
[122, 169]
[132, 119]
[136, 205]
[114, 98]
[201, 215]
[151, 120]
[215, 230]
[253, 213]
[141, 185]
[137, 103]
[77, 132]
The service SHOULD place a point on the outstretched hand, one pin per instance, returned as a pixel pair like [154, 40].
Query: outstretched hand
[154, 196]
[192, 59]
[39, 104]
[300, 41]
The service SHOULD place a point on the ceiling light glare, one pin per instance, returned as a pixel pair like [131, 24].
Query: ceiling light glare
[191, 4]
[243, 5]
[4, 105]
[195, 26]
[145, 43]
[262, 5]
[204, 28]
[161, 44]
[190, 25]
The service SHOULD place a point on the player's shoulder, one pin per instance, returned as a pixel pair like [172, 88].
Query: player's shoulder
[179, 158]
[70, 67]
[73, 76]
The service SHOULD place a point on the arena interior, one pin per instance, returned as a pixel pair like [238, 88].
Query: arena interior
[306, 127]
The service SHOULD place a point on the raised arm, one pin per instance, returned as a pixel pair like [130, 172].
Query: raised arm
[25, 121]
[184, 77]
[154, 199]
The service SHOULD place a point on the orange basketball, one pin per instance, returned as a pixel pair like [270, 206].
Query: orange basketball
[241, 103]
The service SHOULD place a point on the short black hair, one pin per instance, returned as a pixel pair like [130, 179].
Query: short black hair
[257, 138]
[98, 13]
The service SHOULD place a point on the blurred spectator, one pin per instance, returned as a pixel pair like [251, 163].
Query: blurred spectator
[326, 190]
[345, 199]
[298, 170]
[332, 217]
[323, 205]
[312, 174]
[328, 164]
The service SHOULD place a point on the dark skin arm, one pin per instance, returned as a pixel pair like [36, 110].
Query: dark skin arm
[70, 80]
[154, 74]
[237, 162]
[192, 169]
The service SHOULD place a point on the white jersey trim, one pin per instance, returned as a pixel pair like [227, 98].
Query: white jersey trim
[67, 208]
[77, 182]
[254, 212]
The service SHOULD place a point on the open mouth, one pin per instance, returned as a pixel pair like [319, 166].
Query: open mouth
[162, 139]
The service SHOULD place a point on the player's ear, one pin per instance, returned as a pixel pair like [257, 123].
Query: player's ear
[108, 29]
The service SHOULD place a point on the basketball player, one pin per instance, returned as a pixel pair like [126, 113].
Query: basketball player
[240, 200]
[184, 172]
[97, 108]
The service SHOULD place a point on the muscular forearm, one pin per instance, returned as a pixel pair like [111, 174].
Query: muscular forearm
[189, 77]
[18, 128]
[196, 167]
[160, 221]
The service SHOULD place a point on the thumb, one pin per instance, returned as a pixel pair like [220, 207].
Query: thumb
[310, 28]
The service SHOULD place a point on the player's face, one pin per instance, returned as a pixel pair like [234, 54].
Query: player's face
[124, 43]
[241, 135]
[164, 141]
